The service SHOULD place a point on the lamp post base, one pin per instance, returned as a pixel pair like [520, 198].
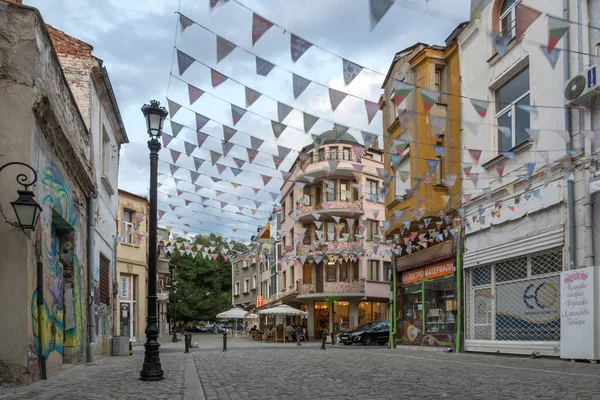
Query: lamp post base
[152, 370]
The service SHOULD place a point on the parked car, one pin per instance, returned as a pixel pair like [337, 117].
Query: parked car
[370, 332]
[194, 329]
[210, 328]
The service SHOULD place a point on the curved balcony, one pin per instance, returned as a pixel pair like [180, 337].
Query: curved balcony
[318, 164]
[335, 246]
[309, 206]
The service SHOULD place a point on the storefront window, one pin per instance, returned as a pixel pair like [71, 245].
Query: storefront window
[331, 271]
[372, 311]
[341, 313]
[439, 305]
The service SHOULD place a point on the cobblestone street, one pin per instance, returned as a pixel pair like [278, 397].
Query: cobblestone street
[253, 370]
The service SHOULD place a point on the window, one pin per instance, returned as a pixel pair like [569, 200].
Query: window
[306, 273]
[346, 153]
[321, 154]
[330, 189]
[372, 190]
[237, 289]
[344, 269]
[387, 269]
[291, 237]
[283, 214]
[284, 279]
[354, 269]
[308, 235]
[291, 206]
[344, 187]
[105, 155]
[246, 285]
[307, 198]
[253, 282]
[104, 280]
[292, 278]
[512, 121]
[333, 153]
[372, 228]
[439, 170]
[508, 20]
[373, 270]
[318, 194]
[311, 156]
[331, 271]
[330, 226]
[128, 225]
[437, 83]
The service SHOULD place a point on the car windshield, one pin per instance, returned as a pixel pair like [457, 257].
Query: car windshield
[365, 326]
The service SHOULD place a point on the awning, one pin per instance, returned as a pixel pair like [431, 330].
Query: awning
[284, 310]
[234, 313]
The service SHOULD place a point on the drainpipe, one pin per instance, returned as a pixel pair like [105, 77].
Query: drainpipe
[585, 121]
[91, 251]
[570, 183]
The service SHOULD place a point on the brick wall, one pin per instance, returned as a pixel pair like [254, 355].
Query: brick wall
[76, 60]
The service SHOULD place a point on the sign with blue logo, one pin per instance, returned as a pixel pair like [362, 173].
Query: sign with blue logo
[592, 77]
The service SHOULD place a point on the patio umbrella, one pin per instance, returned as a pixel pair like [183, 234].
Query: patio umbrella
[284, 309]
[233, 313]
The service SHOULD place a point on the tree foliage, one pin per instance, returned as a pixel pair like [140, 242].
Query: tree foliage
[204, 284]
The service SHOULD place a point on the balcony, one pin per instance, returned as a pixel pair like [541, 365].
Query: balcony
[318, 163]
[337, 246]
[327, 155]
[340, 204]
[331, 287]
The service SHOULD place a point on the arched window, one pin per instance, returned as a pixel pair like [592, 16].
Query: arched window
[508, 18]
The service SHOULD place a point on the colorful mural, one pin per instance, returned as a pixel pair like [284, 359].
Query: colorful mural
[57, 239]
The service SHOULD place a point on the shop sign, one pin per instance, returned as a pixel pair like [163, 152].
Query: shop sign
[124, 287]
[577, 314]
[431, 271]
[259, 301]
[528, 310]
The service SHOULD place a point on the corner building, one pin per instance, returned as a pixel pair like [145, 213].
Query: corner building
[331, 214]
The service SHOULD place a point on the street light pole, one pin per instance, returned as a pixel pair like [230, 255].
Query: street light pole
[152, 370]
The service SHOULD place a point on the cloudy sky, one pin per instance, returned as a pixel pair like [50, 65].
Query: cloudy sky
[136, 40]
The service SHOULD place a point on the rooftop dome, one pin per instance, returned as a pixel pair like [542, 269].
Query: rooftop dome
[329, 136]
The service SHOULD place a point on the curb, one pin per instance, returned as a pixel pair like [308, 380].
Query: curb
[193, 387]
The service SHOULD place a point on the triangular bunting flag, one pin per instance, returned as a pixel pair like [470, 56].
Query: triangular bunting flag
[480, 106]
[368, 139]
[224, 47]
[298, 47]
[227, 146]
[336, 97]
[259, 27]
[401, 92]
[166, 139]
[183, 61]
[255, 142]
[189, 148]
[556, 30]
[237, 113]
[283, 111]
[309, 121]
[198, 162]
[263, 67]
[228, 133]
[175, 128]
[551, 56]
[201, 120]
[378, 8]
[240, 163]
[278, 128]
[266, 179]
[372, 109]
[216, 78]
[299, 84]
[236, 171]
[185, 22]
[214, 157]
[251, 96]
[350, 70]
[429, 98]
[251, 154]
[175, 155]
[173, 107]
[201, 138]
[194, 93]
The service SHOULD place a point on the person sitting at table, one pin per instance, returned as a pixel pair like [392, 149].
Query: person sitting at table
[254, 329]
[270, 332]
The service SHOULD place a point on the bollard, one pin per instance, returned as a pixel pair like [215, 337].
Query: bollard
[224, 341]
[130, 349]
[332, 338]
[188, 340]
[324, 337]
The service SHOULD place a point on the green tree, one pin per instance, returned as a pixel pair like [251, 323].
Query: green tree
[204, 285]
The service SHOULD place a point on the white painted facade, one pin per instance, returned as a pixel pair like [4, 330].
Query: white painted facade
[530, 221]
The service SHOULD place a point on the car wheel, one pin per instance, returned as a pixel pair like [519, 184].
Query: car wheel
[367, 340]
[348, 344]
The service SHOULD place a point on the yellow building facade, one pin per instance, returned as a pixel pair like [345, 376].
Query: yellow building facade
[132, 267]
[421, 120]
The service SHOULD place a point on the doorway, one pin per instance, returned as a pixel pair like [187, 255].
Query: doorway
[321, 318]
[319, 278]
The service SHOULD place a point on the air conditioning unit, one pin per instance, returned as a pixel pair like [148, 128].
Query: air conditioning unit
[582, 87]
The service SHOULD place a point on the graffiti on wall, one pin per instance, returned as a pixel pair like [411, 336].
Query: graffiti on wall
[56, 236]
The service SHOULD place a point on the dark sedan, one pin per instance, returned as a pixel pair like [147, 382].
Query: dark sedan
[371, 332]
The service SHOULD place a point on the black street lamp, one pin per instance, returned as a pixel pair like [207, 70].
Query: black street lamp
[174, 284]
[26, 208]
[28, 212]
[152, 371]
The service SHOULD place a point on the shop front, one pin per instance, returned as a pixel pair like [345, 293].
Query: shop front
[342, 315]
[427, 306]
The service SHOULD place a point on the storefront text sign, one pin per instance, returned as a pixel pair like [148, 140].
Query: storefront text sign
[577, 314]
[259, 301]
[431, 271]
[124, 287]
